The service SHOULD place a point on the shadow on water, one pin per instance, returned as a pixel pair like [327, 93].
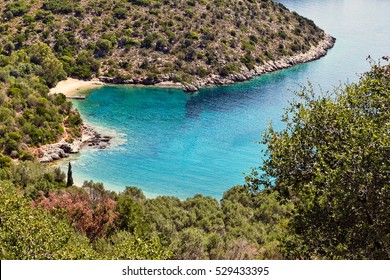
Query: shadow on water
[261, 90]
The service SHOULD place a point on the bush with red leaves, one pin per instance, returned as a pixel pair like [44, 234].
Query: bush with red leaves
[93, 218]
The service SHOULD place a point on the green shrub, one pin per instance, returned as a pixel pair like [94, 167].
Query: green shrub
[228, 69]
[60, 7]
[120, 13]
[246, 46]
[15, 9]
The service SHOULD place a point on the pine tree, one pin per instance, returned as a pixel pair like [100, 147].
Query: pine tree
[69, 181]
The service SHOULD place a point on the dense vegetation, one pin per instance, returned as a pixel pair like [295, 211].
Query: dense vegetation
[323, 192]
[91, 223]
[333, 162]
[29, 116]
[152, 39]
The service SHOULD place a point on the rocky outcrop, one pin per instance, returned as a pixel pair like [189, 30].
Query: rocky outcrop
[191, 87]
[136, 80]
[63, 149]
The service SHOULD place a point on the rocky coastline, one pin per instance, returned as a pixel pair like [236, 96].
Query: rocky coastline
[245, 74]
[63, 149]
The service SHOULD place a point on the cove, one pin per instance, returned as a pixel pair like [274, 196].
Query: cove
[171, 143]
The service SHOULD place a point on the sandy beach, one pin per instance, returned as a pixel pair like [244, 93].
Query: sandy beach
[72, 86]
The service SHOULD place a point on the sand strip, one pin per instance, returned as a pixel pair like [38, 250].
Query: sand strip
[72, 86]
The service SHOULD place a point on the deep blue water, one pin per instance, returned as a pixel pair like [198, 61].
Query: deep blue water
[171, 143]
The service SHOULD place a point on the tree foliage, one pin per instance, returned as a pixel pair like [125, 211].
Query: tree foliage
[92, 218]
[125, 246]
[27, 233]
[69, 177]
[333, 162]
[323, 192]
[43, 42]
[28, 115]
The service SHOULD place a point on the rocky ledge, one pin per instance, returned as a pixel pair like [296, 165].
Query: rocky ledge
[63, 149]
[245, 74]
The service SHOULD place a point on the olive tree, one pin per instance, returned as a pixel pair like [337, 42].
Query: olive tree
[333, 162]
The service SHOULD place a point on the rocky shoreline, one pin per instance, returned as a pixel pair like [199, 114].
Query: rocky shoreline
[314, 53]
[62, 149]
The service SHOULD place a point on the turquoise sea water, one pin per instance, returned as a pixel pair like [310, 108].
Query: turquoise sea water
[171, 143]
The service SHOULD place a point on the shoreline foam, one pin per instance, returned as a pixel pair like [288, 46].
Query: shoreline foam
[62, 149]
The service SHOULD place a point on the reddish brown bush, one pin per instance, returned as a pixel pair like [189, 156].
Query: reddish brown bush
[93, 218]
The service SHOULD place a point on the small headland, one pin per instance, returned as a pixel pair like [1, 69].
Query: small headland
[62, 149]
[72, 89]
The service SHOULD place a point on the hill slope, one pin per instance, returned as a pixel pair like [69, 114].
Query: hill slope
[148, 41]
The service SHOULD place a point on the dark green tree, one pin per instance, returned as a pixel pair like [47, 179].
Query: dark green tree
[69, 180]
[333, 162]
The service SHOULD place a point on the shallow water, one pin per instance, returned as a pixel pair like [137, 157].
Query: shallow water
[171, 143]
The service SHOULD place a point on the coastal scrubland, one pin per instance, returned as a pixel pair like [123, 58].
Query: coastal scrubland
[322, 193]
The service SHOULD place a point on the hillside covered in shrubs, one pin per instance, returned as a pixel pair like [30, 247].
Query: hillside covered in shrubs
[155, 40]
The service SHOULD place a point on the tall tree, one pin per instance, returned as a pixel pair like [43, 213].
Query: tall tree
[69, 181]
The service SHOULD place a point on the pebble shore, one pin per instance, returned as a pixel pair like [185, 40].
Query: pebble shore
[91, 138]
